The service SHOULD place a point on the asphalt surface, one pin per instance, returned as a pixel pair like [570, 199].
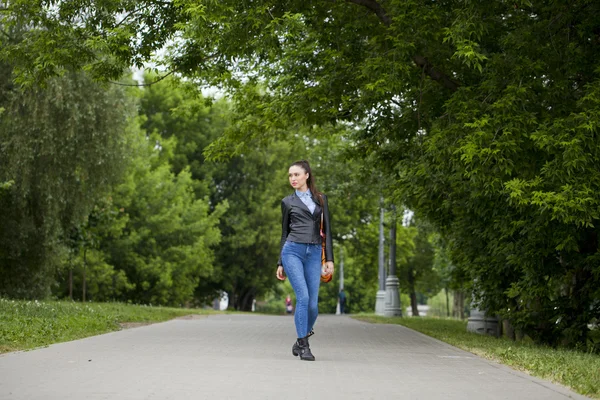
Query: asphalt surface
[249, 357]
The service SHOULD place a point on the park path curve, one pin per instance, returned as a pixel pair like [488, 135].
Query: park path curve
[246, 356]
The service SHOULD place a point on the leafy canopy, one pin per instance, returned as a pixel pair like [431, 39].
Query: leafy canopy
[484, 114]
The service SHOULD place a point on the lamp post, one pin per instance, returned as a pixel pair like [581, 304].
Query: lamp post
[338, 308]
[392, 308]
[380, 302]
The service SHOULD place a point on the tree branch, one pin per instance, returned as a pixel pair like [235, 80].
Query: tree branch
[144, 84]
[134, 11]
[6, 34]
[434, 74]
[374, 6]
[420, 61]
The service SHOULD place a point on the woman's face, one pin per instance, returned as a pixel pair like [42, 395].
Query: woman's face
[298, 177]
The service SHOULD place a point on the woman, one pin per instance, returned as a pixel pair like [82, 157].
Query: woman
[300, 255]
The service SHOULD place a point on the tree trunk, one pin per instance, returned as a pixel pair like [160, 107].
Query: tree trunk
[233, 300]
[84, 266]
[455, 305]
[459, 305]
[413, 303]
[71, 283]
[508, 330]
[114, 286]
[447, 303]
[412, 293]
[246, 301]
[241, 299]
[71, 275]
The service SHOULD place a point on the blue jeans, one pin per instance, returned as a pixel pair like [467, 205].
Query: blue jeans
[302, 265]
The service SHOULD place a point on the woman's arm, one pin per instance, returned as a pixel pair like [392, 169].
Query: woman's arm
[327, 226]
[285, 228]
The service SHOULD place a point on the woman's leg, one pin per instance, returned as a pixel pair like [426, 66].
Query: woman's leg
[292, 257]
[312, 275]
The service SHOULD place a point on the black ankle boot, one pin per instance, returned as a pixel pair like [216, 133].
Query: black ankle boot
[302, 349]
[296, 348]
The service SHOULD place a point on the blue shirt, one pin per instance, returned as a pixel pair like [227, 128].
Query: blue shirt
[306, 198]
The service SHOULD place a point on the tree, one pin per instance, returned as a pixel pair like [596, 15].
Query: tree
[254, 184]
[151, 239]
[452, 276]
[174, 108]
[484, 114]
[353, 190]
[166, 244]
[417, 268]
[88, 269]
[61, 148]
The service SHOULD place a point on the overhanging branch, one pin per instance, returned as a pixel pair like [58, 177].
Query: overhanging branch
[376, 8]
[419, 61]
[144, 84]
[6, 34]
[434, 74]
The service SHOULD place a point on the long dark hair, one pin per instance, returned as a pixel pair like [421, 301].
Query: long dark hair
[310, 182]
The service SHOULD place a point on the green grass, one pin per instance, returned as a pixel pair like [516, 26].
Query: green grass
[30, 324]
[578, 370]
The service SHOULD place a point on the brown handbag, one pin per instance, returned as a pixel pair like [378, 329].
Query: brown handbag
[325, 277]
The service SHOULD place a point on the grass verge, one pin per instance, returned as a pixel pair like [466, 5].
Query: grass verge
[30, 324]
[576, 370]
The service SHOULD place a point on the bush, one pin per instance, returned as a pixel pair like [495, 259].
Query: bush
[437, 305]
[274, 306]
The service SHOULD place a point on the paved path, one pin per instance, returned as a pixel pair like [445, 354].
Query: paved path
[249, 357]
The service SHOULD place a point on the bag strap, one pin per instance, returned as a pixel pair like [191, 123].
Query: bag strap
[323, 256]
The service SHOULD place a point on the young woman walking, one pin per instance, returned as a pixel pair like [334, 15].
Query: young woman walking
[300, 250]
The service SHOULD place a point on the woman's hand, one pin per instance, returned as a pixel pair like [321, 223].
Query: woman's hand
[280, 273]
[329, 267]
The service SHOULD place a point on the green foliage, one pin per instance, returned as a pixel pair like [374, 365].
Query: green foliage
[84, 35]
[103, 281]
[254, 184]
[151, 239]
[439, 306]
[61, 148]
[500, 157]
[30, 324]
[451, 276]
[482, 116]
[354, 213]
[353, 190]
[165, 244]
[360, 282]
[176, 109]
[273, 306]
[575, 369]
[416, 270]
[6, 185]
